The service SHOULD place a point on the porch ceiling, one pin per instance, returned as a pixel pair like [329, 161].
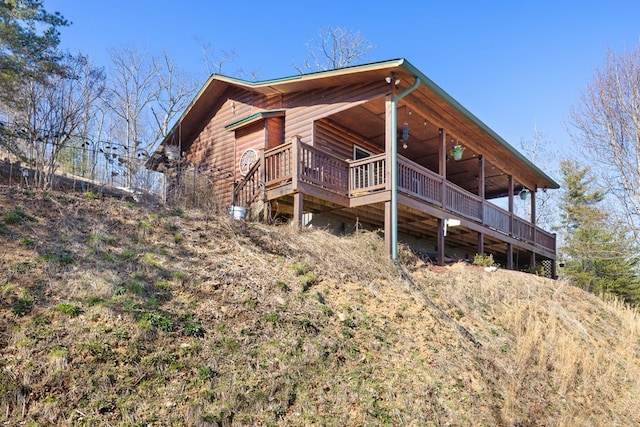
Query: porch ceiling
[368, 120]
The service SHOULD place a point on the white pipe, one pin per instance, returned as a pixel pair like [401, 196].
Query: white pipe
[394, 166]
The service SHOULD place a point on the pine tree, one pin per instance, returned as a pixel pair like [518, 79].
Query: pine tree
[600, 254]
[29, 40]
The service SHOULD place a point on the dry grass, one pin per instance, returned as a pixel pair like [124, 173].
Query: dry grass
[120, 314]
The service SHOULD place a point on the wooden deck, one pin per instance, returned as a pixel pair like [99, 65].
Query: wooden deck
[295, 168]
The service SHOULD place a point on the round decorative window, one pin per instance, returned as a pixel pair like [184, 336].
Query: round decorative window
[248, 158]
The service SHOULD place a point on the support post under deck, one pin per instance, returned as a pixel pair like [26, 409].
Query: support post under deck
[441, 241]
[297, 209]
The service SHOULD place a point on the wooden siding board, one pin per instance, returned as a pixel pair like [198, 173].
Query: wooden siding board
[214, 148]
[339, 141]
[213, 151]
[304, 108]
[275, 132]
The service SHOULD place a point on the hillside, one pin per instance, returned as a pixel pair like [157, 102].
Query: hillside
[120, 314]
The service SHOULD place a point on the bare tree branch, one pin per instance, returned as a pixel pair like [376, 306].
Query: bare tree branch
[335, 47]
[606, 126]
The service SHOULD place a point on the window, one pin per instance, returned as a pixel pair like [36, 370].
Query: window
[364, 175]
[360, 153]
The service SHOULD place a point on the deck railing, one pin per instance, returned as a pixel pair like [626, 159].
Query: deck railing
[249, 188]
[496, 218]
[462, 202]
[298, 162]
[322, 169]
[367, 175]
[522, 229]
[278, 165]
[545, 239]
[419, 182]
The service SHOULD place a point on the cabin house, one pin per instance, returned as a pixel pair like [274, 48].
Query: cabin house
[375, 146]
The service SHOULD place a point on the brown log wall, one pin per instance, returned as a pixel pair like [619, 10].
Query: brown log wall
[332, 138]
[217, 150]
[306, 108]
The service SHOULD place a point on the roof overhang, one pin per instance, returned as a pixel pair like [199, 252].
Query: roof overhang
[254, 118]
[428, 96]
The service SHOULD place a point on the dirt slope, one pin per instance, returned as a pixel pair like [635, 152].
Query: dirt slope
[115, 313]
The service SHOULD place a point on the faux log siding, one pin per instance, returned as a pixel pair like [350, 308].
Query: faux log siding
[337, 141]
[245, 103]
[275, 132]
[212, 151]
[304, 108]
[215, 147]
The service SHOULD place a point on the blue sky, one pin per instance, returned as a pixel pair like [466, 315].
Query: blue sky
[516, 65]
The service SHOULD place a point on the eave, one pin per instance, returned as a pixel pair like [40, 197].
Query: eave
[429, 96]
[254, 118]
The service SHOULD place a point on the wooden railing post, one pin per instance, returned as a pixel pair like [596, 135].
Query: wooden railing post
[509, 245]
[510, 179]
[295, 162]
[296, 169]
[442, 166]
[532, 193]
[481, 188]
[263, 188]
[440, 241]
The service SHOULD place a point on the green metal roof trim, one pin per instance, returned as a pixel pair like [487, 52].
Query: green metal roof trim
[268, 83]
[310, 76]
[254, 117]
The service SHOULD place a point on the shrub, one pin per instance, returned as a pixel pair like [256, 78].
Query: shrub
[127, 254]
[151, 260]
[94, 300]
[207, 373]
[27, 241]
[22, 306]
[282, 285]
[180, 275]
[160, 320]
[483, 260]
[122, 334]
[299, 268]
[61, 258]
[308, 280]
[16, 215]
[193, 329]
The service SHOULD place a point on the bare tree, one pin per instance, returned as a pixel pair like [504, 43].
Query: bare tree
[218, 62]
[606, 127]
[92, 85]
[54, 109]
[335, 47]
[131, 92]
[213, 61]
[175, 89]
[537, 151]
[145, 95]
